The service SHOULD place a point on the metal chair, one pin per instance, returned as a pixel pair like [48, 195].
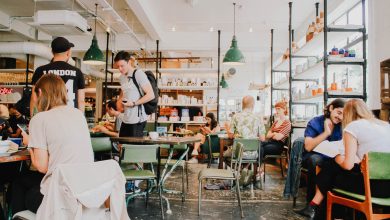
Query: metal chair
[284, 155]
[233, 174]
[174, 163]
[101, 145]
[213, 145]
[134, 154]
[375, 166]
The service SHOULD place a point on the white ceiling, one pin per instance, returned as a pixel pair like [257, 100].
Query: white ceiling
[192, 19]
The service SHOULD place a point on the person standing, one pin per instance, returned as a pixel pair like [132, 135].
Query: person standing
[71, 75]
[130, 100]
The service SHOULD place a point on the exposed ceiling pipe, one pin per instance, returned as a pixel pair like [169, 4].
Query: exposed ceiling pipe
[33, 48]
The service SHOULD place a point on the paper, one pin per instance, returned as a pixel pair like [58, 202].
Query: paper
[330, 148]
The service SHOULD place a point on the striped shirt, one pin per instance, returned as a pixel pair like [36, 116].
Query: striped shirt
[284, 129]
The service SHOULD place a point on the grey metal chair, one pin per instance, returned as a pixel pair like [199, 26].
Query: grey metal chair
[221, 174]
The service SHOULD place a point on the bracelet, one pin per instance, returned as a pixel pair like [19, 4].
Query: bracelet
[134, 104]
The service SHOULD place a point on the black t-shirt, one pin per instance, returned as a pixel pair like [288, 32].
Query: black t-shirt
[13, 121]
[72, 76]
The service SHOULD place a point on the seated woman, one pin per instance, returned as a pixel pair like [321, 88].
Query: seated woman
[362, 133]
[210, 127]
[58, 135]
[278, 133]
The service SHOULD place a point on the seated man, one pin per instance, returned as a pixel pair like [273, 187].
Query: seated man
[320, 128]
[246, 124]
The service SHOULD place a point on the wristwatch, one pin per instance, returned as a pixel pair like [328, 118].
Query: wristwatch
[134, 104]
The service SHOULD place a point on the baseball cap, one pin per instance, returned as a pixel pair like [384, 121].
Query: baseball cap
[60, 44]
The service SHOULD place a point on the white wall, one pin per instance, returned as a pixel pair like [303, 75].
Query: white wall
[378, 47]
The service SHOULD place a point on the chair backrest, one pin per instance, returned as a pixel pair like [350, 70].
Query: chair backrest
[139, 153]
[236, 161]
[213, 143]
[249, 144]
[379, 166]
[101, 144]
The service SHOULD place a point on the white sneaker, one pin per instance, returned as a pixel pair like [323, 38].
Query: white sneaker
[193, 160]
[194, 153]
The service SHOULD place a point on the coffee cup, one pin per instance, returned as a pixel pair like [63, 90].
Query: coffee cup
[153, 135]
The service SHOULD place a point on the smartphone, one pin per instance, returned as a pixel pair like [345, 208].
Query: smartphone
[124, 101]
[23, 127]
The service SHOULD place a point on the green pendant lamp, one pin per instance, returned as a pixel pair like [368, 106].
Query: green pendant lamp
[223, 82]
[94, 56]
[234, 55]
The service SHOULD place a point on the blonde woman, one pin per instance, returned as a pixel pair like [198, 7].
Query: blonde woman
[362, 133]
[58, 135]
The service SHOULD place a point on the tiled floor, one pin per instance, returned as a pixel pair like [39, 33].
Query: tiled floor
[220, 204]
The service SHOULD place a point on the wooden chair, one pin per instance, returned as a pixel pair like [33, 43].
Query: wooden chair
[374, 166]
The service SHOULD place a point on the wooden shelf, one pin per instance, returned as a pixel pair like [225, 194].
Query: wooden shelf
[187, 70]
[189, 105]
[178, 122]
[319, 98]
[15, 70]
[14, 86]
[188, 87]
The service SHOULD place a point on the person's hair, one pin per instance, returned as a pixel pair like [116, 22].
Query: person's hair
[214, 122]
[337, 103]
[51, 92]
[282, 105]
[126, 56]
[112, 104]
[356, 109]
[4, 113]
[248, 102]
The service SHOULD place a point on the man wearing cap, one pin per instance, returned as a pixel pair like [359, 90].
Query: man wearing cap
[72, 76]
[130, 100]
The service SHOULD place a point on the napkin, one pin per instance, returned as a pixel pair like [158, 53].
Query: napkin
[12, 147]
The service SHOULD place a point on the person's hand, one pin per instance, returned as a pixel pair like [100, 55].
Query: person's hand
[25, 138]
[278, 136]
[339, 159]
[328, 127]
[103, 129]
[111, 111]
[128, 103]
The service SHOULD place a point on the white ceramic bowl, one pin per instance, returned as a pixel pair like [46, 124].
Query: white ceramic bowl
[153, 135]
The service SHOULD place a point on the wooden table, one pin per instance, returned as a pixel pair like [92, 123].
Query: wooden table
[223, 141]
[18, 156]
[161, 140]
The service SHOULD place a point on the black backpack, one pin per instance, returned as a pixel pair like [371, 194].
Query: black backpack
[151, 106]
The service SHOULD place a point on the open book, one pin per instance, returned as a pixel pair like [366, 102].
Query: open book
[330, 148]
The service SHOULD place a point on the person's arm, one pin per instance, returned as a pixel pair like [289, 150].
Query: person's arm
[148, 94]
[119, 103]
[39, 159]
[81, 99]
[17, 133]
[284, 131]
[108, 132]
[216, 129]
[33, 101]
[312, 142]
[350, 144]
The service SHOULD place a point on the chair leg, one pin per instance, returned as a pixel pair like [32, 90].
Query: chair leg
[147, 193]
[199, 195]
[187, 174]
[239, 198]
[281, 167]
[182, 185]
[328, 207]
[264, 171]
[161, 202]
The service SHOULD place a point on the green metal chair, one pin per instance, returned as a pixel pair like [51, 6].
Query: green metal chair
[211, 147]
[101, 145]
[374, 166]
[135, 154]
[173, 163]
[222, 174]
[250, 144]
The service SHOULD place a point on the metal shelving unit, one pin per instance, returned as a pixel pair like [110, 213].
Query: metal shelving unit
[329, 61]
[313, 73]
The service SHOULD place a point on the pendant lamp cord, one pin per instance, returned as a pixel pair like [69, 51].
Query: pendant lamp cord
[234, 12]
[96, 5]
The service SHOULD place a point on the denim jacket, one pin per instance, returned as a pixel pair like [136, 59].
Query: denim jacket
[294, 169]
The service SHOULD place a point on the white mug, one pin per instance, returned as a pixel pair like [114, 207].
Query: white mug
[153, 135]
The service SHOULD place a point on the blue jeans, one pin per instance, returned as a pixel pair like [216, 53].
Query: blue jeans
[294, 169]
